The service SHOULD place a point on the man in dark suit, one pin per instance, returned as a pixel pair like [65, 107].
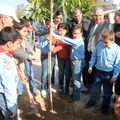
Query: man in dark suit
[96, 27]
[78, 19]
[117, 27]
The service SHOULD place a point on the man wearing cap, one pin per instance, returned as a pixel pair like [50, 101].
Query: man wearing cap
[7, 15]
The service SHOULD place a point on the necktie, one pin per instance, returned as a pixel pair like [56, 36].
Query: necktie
[91, 44]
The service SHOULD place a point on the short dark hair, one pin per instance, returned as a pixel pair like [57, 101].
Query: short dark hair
[59, 12]
[23, 23]
[108, 34]
[63, 26]
[9, 34]
[77, 27]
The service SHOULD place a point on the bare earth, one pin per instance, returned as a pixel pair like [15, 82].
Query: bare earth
[39, 109]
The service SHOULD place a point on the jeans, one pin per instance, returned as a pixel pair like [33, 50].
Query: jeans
[102, 78]
[64, 68]
[44, 74]
[29, 73]
[77, 67]
[3, 108]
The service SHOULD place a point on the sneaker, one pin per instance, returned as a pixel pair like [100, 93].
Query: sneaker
[43, 93]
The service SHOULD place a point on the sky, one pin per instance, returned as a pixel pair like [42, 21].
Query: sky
[12, 3]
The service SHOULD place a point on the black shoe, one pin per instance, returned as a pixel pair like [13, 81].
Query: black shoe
[85, 91]
[61, 93]
[89, 105]
[71, 99]
[104, 111]
[66, 92]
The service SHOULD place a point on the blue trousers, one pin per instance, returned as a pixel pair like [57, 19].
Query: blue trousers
[29, 73]
[44, 74]
[77, 67]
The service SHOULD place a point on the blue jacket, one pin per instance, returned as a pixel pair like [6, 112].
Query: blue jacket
[106, 58]
[77, 46]
[8, 80]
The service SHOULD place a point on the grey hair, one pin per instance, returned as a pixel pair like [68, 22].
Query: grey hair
[98, 10]
[77, 10]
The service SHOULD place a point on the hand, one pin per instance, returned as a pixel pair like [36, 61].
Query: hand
[23, 77]
[51, 48]
[112, 81]
[90, 70]
[49, 38]
[13, 114]
[34, 56]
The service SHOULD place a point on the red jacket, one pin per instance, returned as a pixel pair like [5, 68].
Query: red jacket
[62, 48]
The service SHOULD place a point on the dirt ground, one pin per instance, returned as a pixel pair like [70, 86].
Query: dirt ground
[39, 108]
[63, 110]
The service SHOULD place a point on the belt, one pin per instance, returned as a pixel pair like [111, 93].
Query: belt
[75, 60]
[104, 71]
[46, 55]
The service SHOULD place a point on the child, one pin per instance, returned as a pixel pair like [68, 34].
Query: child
[9, 41]
[77, 59]
[63, 54]
[106, 59]
[23, 27]
[44, 48]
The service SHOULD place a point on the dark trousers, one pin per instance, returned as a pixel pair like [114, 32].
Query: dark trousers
[88, 78]
[64, 66]
[102, 78]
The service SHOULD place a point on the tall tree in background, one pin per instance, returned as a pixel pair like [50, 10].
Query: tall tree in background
[40, 9]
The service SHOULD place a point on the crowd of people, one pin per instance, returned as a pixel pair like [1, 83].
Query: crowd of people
[86, 50]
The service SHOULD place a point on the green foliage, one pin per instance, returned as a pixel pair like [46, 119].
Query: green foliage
[40, 9]
[21, 11]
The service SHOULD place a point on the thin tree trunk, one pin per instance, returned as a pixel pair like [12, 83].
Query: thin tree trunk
[49, 58]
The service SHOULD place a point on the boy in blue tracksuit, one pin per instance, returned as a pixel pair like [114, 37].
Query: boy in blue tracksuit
[44, 48]
[106, 59]
[9, 41]
[77, 59]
